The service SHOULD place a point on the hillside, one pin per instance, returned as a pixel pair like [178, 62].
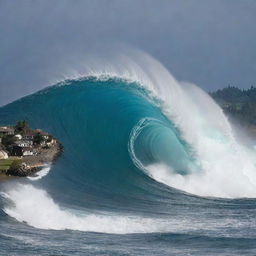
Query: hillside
[238, 104]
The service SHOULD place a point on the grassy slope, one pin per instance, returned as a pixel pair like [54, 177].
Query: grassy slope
[6, 163]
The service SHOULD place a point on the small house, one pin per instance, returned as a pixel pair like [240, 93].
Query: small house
[16, 150]
[24, 143]
[28, 151]
[43, 134]
[29, 135]
[4, 130]
[18, 136]
[21, 151]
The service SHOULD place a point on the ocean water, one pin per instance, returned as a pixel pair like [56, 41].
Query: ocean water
[145, 171]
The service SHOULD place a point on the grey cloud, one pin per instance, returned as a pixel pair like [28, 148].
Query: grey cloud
[210, 43]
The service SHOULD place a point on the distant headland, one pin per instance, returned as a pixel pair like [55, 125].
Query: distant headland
[25, 151]
[239, 105]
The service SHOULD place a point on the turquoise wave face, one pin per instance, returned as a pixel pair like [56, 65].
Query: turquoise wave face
[106, 127]
[111, 131]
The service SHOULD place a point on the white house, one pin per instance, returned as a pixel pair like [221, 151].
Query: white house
[28, 152]
[24, 143]
[5, 130]
[29, 135]
[18, 136]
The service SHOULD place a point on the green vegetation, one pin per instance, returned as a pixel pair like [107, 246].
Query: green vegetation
[26, 150]
[5, 164]
[21, 127]
[38, 139]
[10, 163]
[16, 164]
[240, 104]
[8, 140]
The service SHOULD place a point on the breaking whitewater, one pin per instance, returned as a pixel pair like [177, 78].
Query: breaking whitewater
[151, 167]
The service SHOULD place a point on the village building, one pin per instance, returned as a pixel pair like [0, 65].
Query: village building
[29, 135]
[18, 136]
[24, 151]
[43, 134]
[21, 151]
[15, 150]
[5, 130]
[51, 142]
[24, 143]
[28, 152]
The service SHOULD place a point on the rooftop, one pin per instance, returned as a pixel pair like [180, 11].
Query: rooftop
[6, 128]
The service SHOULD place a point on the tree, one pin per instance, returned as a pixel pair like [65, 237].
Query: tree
[38, 138]
[21, 127]
[16, 164]
[8, 140]
[17, 168]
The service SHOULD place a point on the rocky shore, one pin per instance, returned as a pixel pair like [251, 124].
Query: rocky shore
[33, 164]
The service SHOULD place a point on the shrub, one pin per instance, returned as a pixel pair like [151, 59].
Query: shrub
[21, 127]
[8, 140]
[16, 164]
[38, 139]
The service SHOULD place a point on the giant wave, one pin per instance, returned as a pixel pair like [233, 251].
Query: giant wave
[131, 144]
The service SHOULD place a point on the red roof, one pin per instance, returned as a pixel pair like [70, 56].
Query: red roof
[29, 133]
[42, 132]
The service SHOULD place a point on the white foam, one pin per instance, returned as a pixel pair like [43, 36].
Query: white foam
[228, 168]
[39, 175]
[35, 207]
[210, 184]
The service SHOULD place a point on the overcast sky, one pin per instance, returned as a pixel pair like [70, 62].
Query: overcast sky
[210, 43]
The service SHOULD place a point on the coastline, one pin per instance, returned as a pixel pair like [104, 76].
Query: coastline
[38, 164]
[38, 154]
